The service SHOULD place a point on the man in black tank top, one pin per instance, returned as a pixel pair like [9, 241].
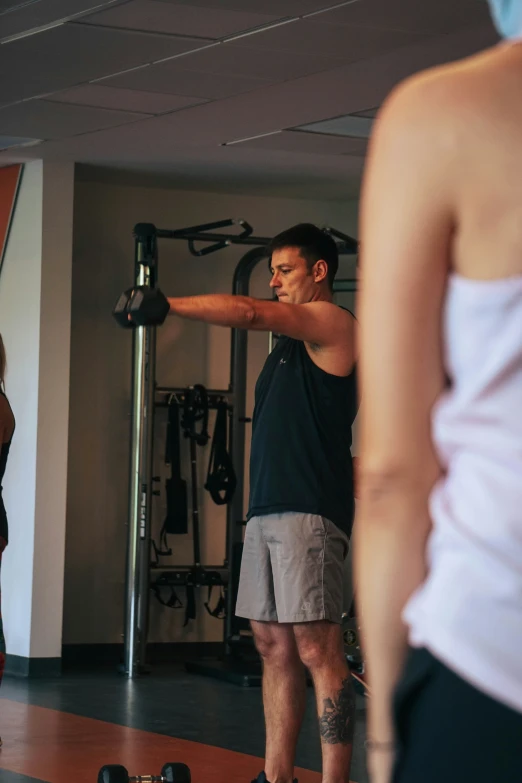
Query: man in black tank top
[301, 495]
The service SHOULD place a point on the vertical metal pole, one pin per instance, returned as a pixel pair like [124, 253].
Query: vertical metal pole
[135, 500]
[146, 517]
[138, 534]
[238, 386]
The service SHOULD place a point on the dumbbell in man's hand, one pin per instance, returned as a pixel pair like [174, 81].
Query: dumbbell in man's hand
[141, 306]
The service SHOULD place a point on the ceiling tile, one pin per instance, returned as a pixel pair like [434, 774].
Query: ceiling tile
[34, 15]
[367, 113]
[243, 60]
[311, 143]
[439, 16]
[6, 5]
[17, 141]
[123, 100]
[279, 7]
[349, 125]
[167, 78]
[171, 18]
[186, 143]
[46, 120]
[348, 43]
[345, 90]
[68, 55]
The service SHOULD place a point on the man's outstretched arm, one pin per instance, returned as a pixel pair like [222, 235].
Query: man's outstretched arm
[320, 323]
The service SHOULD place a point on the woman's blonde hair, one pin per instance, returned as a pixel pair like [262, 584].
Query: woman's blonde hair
[3, 363]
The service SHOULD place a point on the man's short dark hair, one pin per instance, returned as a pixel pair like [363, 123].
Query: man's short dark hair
[313, 244]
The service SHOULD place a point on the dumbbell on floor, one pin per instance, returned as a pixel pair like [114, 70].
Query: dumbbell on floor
[170, 773]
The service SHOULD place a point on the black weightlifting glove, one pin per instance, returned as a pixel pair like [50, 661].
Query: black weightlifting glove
[141, 306]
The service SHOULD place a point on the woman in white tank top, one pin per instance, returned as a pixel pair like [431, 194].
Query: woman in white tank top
[438, 534]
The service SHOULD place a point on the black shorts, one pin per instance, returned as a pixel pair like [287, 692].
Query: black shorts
[449, 732]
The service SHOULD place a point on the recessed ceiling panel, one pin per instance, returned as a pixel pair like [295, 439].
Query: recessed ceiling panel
[46, 120]
[123, 100]
[7, 5]
[72, 53]
[167, 78]
[347, 125]
[367, 113]
[242, 59]
[311, 143]
[346, 90]
[172, 18]
[278, 7]
[37, 14]
[346, 43]
[186, 143]
[422, 16]
[7, 142]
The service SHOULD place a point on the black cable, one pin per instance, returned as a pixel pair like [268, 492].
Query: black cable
[221, 478]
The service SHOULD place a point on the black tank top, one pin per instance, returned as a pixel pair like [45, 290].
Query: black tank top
[4, 453]
[301, 438]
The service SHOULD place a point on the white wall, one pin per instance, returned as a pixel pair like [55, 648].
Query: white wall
[187, 353]
[53, 409]
[35, 324]
[20, 327]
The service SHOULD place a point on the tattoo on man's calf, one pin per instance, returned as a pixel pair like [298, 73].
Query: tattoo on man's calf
[336, 724]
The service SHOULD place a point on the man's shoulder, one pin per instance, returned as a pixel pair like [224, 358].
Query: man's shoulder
[337, 322]
[350, 315]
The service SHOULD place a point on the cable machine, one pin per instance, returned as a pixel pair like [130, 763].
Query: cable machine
[141, 572]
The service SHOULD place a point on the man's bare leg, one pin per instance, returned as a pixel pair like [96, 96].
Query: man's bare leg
[320, 647]
[284, 695]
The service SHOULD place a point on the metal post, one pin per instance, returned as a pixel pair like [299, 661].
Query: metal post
[138, 541]
[145, 523]
[238, 385]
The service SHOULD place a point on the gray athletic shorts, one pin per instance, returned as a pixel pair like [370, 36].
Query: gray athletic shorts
[292, 569]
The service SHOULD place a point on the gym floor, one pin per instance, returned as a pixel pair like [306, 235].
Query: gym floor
[64, 729]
